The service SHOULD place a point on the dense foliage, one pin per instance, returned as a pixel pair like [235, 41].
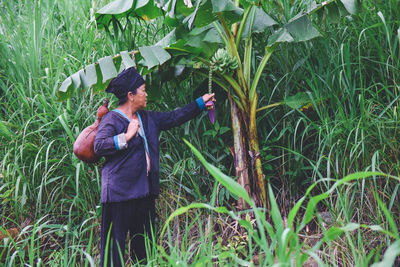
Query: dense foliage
[50, 207]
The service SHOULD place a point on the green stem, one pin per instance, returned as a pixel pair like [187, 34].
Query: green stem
[234, 27]
[233, 51]
[241, 27]
[236, 88]
[225, 27]
[269, 106]
[247, 60]
[261, 66]
[221, 32]
[210, 75]
[203, 60]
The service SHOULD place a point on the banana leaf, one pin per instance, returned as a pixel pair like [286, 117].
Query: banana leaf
[99, 74]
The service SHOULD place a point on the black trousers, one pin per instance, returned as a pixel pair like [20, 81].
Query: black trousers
[136, 216]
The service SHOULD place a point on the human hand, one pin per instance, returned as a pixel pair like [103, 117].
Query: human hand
[207, 97]
[209, 103]
[133, 128]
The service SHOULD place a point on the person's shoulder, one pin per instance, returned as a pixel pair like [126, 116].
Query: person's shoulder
[109, 115]
[112, 116]
[149, 115]
[145, 112]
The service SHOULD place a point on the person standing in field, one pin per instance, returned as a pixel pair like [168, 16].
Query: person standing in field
[128, 137]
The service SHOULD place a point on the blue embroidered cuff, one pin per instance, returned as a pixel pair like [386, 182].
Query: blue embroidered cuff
[116, 141]
[200, 103]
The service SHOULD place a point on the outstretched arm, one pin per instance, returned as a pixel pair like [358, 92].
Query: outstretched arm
[168, 120]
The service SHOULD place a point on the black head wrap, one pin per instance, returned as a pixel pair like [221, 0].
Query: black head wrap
[127, 81]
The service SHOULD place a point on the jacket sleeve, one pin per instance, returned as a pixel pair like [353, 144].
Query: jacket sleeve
[168, 120]
[105, 143]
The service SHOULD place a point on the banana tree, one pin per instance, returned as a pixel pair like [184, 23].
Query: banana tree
[199, 29]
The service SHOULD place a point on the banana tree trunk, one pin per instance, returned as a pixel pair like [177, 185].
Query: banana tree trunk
[259, 189]
[240, 155]
[245, 140]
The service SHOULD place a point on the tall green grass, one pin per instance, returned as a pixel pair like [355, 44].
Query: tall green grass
[278, 241]
[351, 76]
[41, 181]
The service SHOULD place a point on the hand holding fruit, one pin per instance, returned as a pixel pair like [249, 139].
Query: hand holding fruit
[209, 101]
[208, 97]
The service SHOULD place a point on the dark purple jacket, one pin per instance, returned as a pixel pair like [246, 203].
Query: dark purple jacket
[124, 173]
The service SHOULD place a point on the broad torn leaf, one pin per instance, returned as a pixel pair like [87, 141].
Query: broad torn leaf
[224, 6]
[99, 74]
[146, 9]
[169, 39]
[199, 30]
[117, 8]
[83, 78]
[257, 21]
[212, 36]
[95, 75]
[229, 10]
[204, 15]
[169, 7]
[99, 83]
[312, 6]
[331, 11]
[190, 19]
[351, 6]
[76, 80]
[280, 36]
[179, 7]
[66, 89]
[107, 68]
[65, 85]
[154, 55]
[88, 76]
[302, 29]
[207, 43]
[141, 3]
[206, 34]
[127, 61]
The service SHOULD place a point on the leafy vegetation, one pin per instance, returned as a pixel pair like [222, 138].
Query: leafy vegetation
[197, 33]
[327, 124]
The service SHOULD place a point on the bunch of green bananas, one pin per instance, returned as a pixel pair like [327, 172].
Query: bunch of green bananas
[221, 61]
